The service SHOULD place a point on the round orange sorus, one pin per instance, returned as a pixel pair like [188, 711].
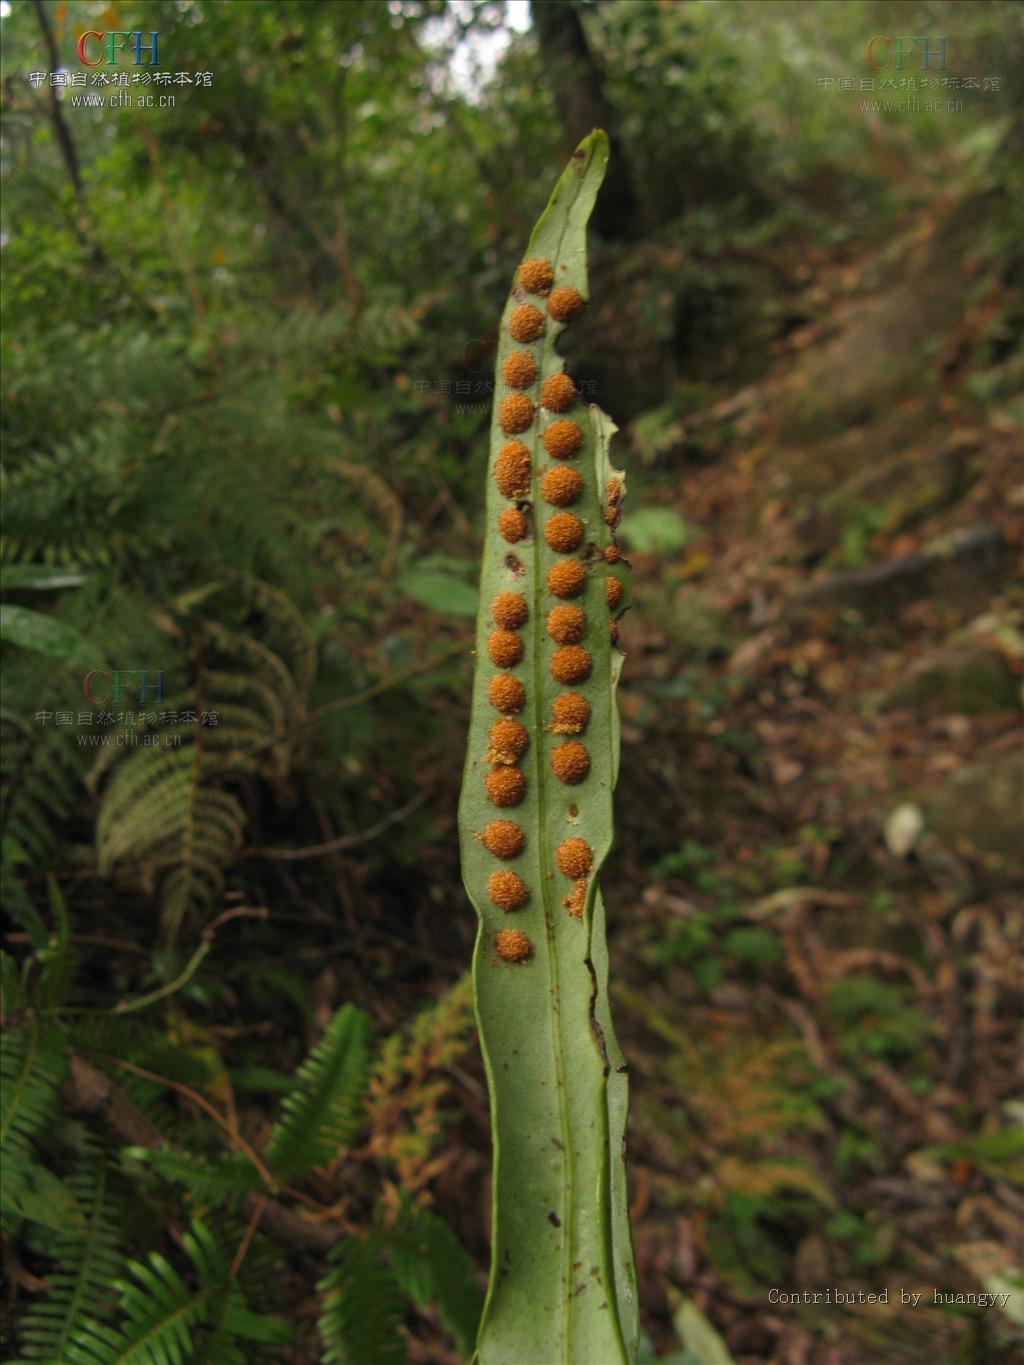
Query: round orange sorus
[570, 762]
[508, 740]
[526, 323]
[515, 413]
[512, 945]
[513, 525]
[504, 648]
[505, 786]
[536, 275]
[512, 470]
[565, 303]
[519, 370]
[509, 609]
[557, 393]
[566, 625]
[561, 485]
[563, 532]
[506, 694]
[504, 838]
[569, 713]
[567, 578]
[574, 857]
[562, 439]
[507, 890]
[570, 664]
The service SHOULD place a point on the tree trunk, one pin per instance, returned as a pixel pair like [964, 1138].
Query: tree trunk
[582, 105]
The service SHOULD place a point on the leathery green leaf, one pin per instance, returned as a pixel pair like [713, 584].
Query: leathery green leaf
[563, 1284]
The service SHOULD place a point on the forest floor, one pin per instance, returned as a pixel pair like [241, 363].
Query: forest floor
[819, 989]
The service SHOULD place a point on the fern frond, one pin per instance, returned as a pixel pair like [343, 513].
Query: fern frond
[361, 1308]
[166, 806]
[167, 1322]
[58, 960]
[102, 1037]
[285, 630]
[321, 1112]
[105, 1041]
[209, 1180]
[13, 992]
[263, 673]
[60, 503]
[32, 1065]
[87, 1264]
[259, 1272]
[432, 1266]
[161, 1311]
[230, 1319]
[159, 809]
[40, 777]
[22, 908]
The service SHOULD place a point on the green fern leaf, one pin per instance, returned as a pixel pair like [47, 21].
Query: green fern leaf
[166, 806]
[230, 1320]
[432, 1267]
[159, 809]
[58, 960]
[87, 1264]
[161, 1312]
[32, 1065]
[285, 630]
[361, 1309]
[321, 1112]
[209, 1180]
[539, 974]
[166, 1322]
[40, 778]
[60, 503]
[21, 908]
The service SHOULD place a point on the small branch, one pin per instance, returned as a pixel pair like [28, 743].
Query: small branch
[400, 675]
[141, 1002]
[344, 841]
[207, 1108]
[243, 1248]
[90, 1092]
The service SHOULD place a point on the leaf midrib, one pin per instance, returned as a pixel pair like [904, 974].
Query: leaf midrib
[549, 355]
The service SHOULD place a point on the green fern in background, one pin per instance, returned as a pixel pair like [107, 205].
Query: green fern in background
[169, 809]
[40, 776]
[166, 1318]
[33, 1061]
[88, 1259]
[362, 1307]
[156, 1312]
[319, 1116]
[419, 1258]
[172, 817]
[431, 1266]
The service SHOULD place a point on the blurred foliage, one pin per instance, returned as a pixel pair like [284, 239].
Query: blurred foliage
[245, 375]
